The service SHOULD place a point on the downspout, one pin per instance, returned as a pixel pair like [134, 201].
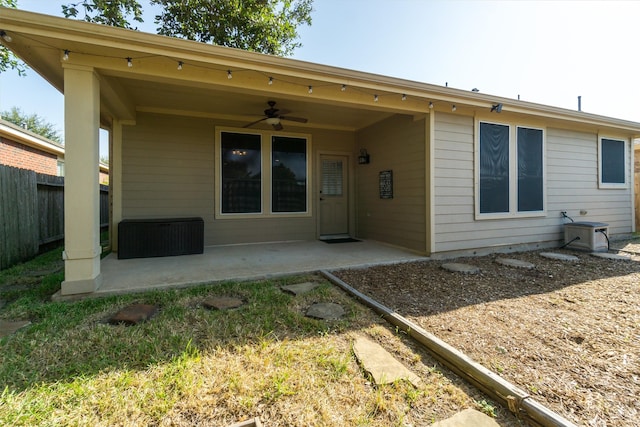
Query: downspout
[517, 400]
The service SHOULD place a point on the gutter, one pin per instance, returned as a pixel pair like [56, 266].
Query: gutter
[517, 400]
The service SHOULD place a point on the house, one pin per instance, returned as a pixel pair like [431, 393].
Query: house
[24, 149]
[433, 169]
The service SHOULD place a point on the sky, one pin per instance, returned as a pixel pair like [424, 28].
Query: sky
[547, 52]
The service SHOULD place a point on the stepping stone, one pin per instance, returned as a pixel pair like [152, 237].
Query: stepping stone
[134, 314]
[457, 267]
[325, 311]
[382, 366]
[511, 262]
[607, 255]
[299, 288]
[7, 328]
[560, 257]
[222, 303]
[468, 418]
[255, 422]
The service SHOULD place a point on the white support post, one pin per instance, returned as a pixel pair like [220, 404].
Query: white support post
[82, 189]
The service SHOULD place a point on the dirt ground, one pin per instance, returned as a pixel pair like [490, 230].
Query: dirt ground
[566, 332]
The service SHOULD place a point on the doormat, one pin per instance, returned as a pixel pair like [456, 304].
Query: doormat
[341, 240]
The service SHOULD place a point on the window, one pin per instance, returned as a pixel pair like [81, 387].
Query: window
[511, 170]
[612, 163]
[530, 177]
[332, 177]
[494, 168]
[241, 173]
[288, 174]
[260, 174]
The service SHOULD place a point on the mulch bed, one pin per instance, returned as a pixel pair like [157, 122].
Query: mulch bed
[567, 332]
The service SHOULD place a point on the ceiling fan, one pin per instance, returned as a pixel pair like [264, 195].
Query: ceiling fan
[273, 117]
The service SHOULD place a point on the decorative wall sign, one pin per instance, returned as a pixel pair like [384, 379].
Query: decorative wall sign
[386, 184]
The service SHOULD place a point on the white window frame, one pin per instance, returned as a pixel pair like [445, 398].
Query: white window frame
[266, 140]
[613, 185]
[513, 173]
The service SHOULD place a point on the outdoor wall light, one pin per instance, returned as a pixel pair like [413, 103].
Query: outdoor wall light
[497, 108]
[6, 37]
[363, 158]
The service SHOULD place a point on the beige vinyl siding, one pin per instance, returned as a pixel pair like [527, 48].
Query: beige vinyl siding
[572, 181]
[396, 144]
[571, 185]
[168, 171]
[166, 168]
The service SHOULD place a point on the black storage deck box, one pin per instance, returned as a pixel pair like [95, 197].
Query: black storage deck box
[145, 238]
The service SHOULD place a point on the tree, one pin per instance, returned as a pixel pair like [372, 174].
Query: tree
[33, 123]
[108, 12]
[8, 60]
[266, 26]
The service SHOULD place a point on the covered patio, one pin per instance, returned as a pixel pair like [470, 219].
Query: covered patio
[244, 262]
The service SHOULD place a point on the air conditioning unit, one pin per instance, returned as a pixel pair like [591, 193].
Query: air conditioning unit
[587, 236]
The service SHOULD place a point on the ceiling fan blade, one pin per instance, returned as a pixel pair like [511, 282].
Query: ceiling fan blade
[278, 126]
[294, 119]
[256, 122]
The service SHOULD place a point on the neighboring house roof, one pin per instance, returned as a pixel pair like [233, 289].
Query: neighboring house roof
[16, 133]
[202, 87]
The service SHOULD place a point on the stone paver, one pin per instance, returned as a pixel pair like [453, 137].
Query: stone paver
[468, 418]
[325, 311]
[616, 257]
[457, 267]
[382, 366]
[512, 262]
[133, 314]
[222, 303]
[254, 422]
[7, 328]
[300, 288]
[560, 257]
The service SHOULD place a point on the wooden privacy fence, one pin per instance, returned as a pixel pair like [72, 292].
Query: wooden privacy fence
[32, 213]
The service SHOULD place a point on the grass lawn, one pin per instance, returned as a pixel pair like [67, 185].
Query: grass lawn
[192, 366]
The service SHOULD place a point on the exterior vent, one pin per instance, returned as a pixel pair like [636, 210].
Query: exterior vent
[587, 236]
[144, 238]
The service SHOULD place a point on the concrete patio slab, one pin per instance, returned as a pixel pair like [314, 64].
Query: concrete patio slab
[243, 262]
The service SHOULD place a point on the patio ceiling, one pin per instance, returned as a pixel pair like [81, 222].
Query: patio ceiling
[183, 98]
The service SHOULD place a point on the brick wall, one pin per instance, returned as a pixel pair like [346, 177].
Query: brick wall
[22, 156]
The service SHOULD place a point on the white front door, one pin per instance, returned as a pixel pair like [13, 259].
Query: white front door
[333, 200]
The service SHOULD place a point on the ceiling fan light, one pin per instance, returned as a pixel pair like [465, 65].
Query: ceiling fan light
[273, 120]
